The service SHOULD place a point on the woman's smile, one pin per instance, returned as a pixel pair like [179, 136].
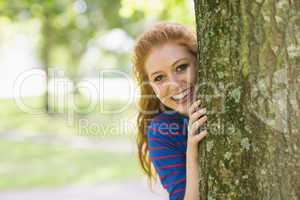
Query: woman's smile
[184, 96]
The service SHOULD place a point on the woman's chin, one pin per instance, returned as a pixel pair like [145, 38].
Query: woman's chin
[183, 105]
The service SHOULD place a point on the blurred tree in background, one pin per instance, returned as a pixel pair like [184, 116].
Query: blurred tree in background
[66, 27]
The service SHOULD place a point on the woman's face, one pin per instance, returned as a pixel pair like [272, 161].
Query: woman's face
[172, 73]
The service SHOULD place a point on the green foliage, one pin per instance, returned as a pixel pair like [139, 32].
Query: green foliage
[69, 25]
[175, 10]
[27, 165]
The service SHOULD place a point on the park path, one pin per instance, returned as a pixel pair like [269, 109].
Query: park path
[134, 189]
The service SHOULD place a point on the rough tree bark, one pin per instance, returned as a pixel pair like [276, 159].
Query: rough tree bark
[249, 58]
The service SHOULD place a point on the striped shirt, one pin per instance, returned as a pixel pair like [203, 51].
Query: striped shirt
[167, 142]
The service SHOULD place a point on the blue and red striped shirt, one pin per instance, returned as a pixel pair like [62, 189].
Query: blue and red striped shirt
[167, 143]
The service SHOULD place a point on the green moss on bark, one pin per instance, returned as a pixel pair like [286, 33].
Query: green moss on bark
[249, 58]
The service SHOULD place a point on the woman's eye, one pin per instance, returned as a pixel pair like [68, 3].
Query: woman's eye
[158, 78]
[181, 67]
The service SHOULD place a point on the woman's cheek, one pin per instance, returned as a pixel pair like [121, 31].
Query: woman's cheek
[193, 73]
[161, 92]
[156, 90]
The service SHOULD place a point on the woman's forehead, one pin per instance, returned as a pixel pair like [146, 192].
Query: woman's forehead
[164, 56]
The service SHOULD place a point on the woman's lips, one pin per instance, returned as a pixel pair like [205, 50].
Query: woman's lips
[187, 97]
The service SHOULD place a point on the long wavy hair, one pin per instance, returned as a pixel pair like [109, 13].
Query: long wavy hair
[157, 35]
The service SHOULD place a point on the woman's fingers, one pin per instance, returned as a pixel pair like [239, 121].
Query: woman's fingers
[201, 135]
[197, 118]
[194, 107]
[197, 124]
[196, 115]
[195, 139]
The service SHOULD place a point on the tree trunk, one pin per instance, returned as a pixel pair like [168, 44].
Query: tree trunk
[45, 54]
[249, 58]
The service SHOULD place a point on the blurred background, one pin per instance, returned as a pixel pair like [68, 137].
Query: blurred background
[68, 98]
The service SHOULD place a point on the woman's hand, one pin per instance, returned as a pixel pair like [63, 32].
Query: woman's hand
[197, 117]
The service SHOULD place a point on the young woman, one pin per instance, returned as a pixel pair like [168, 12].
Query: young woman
[164, 61]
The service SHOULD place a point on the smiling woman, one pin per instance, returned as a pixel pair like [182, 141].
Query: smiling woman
[168, 122]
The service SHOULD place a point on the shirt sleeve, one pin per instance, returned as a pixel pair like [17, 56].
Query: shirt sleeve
[168, 160]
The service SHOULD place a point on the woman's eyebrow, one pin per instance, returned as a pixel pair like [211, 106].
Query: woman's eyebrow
[155, 73]
[177, 61]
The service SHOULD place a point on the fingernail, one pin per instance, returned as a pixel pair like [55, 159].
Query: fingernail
[202, 110]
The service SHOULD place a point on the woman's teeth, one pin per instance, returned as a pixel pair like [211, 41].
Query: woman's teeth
[181, 95]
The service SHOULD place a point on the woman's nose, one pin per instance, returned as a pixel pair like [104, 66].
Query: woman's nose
[174, 82]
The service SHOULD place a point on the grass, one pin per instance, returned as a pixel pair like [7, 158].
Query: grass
[27, 165]
[13, 117]
[24, 164]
